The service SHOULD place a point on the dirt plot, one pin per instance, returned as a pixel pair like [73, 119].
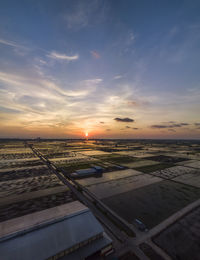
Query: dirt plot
[16, 156]
[72, 167]
[174, 172]
[190, 178]
[150, 252]
[110, 188]
[20, 186]
[25, 173]
[26, 207]
[153, 203]
[155, 167]
[193, 164]
[181, 240]
[19, 163]
[120, 160]
[20, 150]
[108, 177]
[139, 163]
[185, 162]
[166, 159]
[94, 152]
[135, 153]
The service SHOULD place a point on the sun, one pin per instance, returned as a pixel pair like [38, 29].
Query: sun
[86, 134]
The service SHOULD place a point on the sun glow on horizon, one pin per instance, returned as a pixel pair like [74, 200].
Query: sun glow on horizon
[86, 134]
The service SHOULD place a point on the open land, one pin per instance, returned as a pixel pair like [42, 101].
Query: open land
[142, 179]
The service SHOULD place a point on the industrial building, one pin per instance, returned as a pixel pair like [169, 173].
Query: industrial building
[69, 231]
[95, 171]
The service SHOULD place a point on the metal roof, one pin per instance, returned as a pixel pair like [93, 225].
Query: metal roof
[86, 171]
[48, 240]
[89, 249]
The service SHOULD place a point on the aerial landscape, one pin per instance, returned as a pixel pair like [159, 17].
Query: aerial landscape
[99, 130]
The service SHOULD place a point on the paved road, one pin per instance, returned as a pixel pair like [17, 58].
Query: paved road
[142, 237]
[122, 241]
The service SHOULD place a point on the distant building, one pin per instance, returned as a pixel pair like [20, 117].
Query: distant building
[95, 171]
[69, 231]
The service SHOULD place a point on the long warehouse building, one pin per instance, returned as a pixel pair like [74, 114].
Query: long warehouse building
[69, 231]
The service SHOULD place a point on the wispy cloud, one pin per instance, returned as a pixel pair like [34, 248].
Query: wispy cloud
[118, 77]
[95, 54]
[9, 43]
[19, 49]
[170, 125]
[84, 13]
[61, 56]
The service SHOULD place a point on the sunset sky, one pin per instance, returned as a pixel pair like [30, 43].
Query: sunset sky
[112, 69]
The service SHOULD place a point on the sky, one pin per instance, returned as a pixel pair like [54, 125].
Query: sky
[112, 69]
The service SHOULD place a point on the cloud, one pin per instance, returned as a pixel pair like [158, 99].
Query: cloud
[108, 129]
[18, 49]
[85, 13]
[9, 43]
[101, 122]
[118, 77]
[172, 130]
[197, 124]
[126, 119]
[170, 125]
[127, 126]
[60, 56]
[95, 54]
[132, 103]
[135, 128]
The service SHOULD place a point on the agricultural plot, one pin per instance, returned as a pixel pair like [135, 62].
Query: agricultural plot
[120, 160]
[173, 172]
[190, 178]
[135, 153]
[152, 203]
[30, 184]
[166, 159]
[193, 164]
[10, 156]
[117, 186]
[73, 166]
[181, 240]
[94, 152]
[8, 175]
[109, 177]
[140, 163]
[19, 163]
[29, 206]
[154, 167]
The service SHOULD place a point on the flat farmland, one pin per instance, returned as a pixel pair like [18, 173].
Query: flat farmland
[152, 203]
[181, 240]
[118, 186]
[109, 176]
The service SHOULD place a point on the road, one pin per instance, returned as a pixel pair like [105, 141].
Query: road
[112, 223]
[117, 228]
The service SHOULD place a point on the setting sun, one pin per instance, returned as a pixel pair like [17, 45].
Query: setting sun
[86, 134]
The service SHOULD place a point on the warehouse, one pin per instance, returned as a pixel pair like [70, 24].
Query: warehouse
[69, 231]
[95, 171]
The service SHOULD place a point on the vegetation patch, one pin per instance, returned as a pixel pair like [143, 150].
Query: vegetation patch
[152, 168]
